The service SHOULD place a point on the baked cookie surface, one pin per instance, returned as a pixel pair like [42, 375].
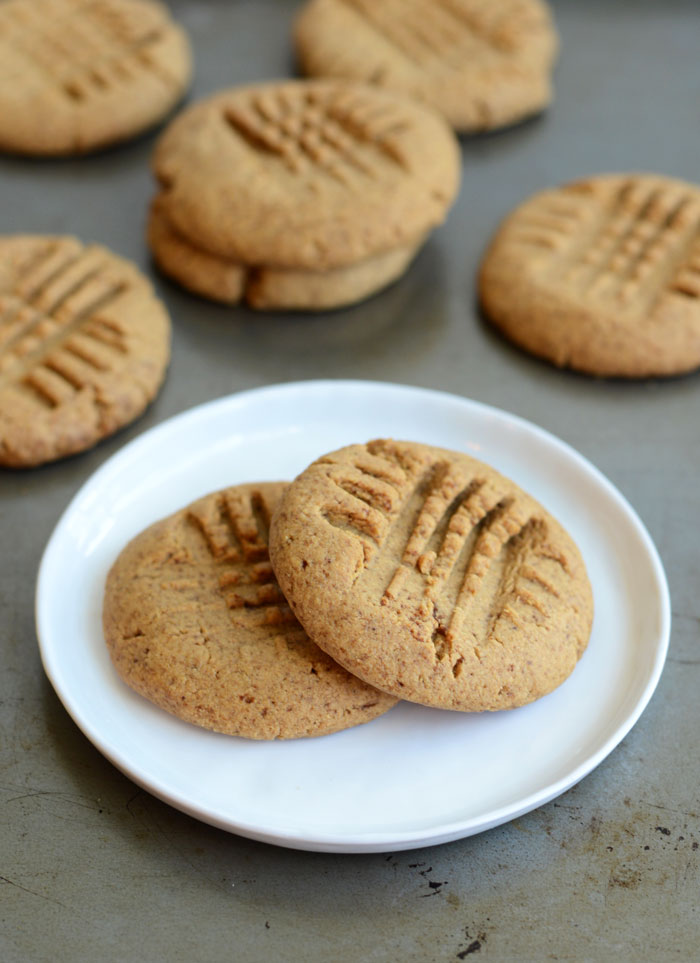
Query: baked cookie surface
[601, 275]
[77, 75]
[432, 576]
[84, 345]
[482, 64]
[195, 621]
[299, 193]
[230, 281]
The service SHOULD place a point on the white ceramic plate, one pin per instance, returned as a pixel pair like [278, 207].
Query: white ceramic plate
[415, 776]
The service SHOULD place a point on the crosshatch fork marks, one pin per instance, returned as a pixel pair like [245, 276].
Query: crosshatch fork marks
[639, 233]
[366, 495]
[235, 528]
[502, 574]
[552, 225]
[371, 506]
[515, 542]
[82, 50]
[628, 245]
[435, 30]
[341, 135]
[469, 540]
[460, 552]
[53, 336]
[429, 540]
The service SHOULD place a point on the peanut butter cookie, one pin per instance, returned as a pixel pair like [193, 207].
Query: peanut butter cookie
[77, 75]
[299, 194]
[195, 622]
[84, 345]
[482, 63]
[431, 576]
[601, 275]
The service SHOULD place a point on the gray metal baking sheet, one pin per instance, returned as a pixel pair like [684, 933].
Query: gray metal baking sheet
[92, 867]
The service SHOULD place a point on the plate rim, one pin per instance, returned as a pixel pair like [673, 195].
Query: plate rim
[363, 841]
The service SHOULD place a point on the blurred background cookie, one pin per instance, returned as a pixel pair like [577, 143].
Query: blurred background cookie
[77, 75]
[84, 345]
[299, 194]
[601, 275]
[482, 63]
[195, 621]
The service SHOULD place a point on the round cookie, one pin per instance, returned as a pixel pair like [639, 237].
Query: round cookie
[195, 622]
[302, 194]
[431, 576]
[482, 64]
[84, 345]
[601, 275]
[77, 75]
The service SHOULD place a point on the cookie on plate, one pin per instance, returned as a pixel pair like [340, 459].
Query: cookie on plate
[601, 275]
[77, 75]
[299, 194]
[482, 64]
[84, 345]
[195, 622]
[432, 576]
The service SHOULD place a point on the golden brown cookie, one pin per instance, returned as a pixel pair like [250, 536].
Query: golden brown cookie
[84, 345]
[299, 194]
[77, 75]
[431, 576]
[601, 275]
[195, 622]
[230, 281]
[482, 63]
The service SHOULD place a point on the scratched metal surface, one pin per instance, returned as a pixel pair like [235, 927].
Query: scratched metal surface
[93, 868]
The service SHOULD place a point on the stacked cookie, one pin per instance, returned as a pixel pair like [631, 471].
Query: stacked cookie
[414, 573]
[299, 194]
